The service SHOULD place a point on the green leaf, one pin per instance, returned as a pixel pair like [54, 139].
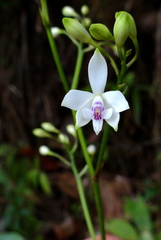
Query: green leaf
[158, 236]
[11, 236]
[4, 178]
[122, 229]
[146, 235]
[45, 184]
[142, 215]
[129, 206]
[32, 176]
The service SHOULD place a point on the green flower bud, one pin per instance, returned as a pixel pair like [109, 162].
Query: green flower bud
[86, 22]
[63, 139]
[49, 127]
[124, 27]
[38, 132]
[69, 12]
[71, 130]
[56, 31]
[91, 149]
[44, 150]
[76, 30]
[84, 10]
[100, 32]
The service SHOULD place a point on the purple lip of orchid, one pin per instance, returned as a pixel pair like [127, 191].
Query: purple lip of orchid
[99, 105]
[97, 109]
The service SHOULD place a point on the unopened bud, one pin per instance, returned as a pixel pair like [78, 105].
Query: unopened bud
[91, 149]
[69, 12]
[38, 132]
[49, 127]
[76, 30]
[56, 31]
[71, 130]
[124, 27]
[63, 139]
[86, 22]
[44, 150]
[84, 10]
[100, 32]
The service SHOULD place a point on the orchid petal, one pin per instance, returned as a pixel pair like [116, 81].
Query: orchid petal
[87, 113]
[107, 113]
[76, 99]
[97, 72]
[114, 120]
[117, 100]
[80, 119]
[97, 125]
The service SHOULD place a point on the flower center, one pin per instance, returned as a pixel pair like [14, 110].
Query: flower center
[97, 109]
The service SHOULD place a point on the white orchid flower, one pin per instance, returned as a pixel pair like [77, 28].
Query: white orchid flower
[98, 105]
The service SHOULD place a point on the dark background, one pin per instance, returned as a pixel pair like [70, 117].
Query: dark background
[31, 91]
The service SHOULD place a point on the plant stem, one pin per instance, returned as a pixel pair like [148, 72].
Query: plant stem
[58, 156]
[82, 141]
[83, 199]
[113, 64]
[102, 147]
[95, 183]
[123, 67]
[135, 41]
[85, 153]
[77, 67]
[46, 22]
[99, 206]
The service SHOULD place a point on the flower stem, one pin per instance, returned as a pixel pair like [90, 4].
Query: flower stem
[105, 137]
[95, 183]
[83, 199]
[46, 22]
[58, 156]
[96, 180]
[99, 206]
[82, 141]
[85, 153]
[113, 64]
[135, 41]
[77, 67]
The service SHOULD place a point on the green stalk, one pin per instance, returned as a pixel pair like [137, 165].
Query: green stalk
[58, 156]
[135, 42]
[96, 180]
[113, 64]
[85, 153]
[99, 206]
[77, 67]
[102, 147]
[83, 199]
[95, 183]
[123, 67]
[46, 22]
[84, 149]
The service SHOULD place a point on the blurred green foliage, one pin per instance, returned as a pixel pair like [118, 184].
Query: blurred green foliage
[11, 236]
[138, 224]
[136, 91]
[19, 179]
[7, 4]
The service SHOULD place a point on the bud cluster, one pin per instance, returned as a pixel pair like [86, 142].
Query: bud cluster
[98, 34]
[48, 130]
